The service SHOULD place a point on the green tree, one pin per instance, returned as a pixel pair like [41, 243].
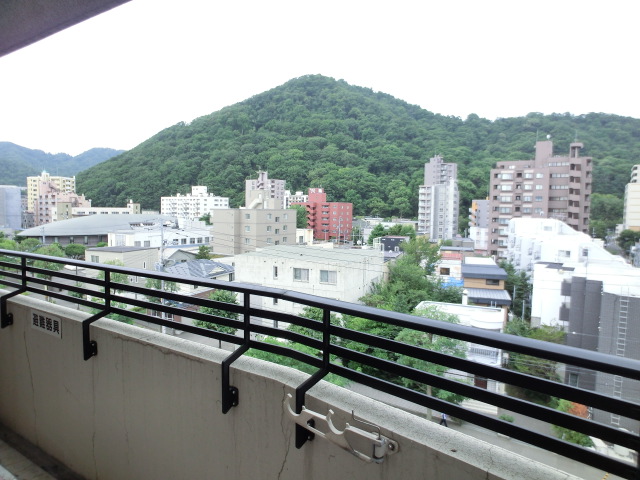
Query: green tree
[519, 286]
[571, 435]
[114, 278]
[437, 343]
[162, 285]
[301, 216]
[223, 296]
[29, 244]
[204, 253]
[206, 218]
[378, 231]
[74, 250]
[628, 239]
[422, 252]
[52, 250]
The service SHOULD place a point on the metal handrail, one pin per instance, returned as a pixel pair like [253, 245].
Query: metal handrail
[18, 273]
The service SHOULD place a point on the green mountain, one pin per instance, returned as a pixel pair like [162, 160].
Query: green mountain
[362, 146]
[17, 163]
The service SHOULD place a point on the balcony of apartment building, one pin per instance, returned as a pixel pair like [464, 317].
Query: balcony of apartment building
[116, 401]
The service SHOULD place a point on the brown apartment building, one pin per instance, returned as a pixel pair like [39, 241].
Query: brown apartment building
[549, 186]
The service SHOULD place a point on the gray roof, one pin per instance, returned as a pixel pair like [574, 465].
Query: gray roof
[492, 272]
[199, 268]
[119, 249]
[92, 225]
[489, 296]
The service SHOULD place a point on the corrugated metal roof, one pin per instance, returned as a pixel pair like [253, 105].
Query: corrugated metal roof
[92, 225]
[200, 269]
[489, 296]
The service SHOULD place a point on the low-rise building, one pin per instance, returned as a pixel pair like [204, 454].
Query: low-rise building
[131, 209]
[194, 205]
[337, 273]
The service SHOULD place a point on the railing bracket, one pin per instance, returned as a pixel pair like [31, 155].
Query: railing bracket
[381, 446]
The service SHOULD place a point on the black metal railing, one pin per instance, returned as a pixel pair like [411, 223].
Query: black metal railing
[104, 295]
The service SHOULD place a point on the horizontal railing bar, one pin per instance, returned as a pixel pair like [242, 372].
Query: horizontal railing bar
[331, 349]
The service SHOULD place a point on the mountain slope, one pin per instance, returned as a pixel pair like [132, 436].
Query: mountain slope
[17, 163]
[362, 146]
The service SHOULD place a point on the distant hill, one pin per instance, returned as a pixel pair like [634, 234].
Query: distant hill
[362, 146]
[17, 163]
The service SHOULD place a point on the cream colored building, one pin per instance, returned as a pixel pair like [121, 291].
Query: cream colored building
[242, 230]
[631, 219]
[193, 205]
[62, 184]
[130, 209]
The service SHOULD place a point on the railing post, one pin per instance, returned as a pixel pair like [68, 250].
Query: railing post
[302, 434]
[6, 318]
[90, 347]
[230, 394]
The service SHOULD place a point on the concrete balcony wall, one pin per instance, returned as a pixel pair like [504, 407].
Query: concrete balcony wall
[148, 406]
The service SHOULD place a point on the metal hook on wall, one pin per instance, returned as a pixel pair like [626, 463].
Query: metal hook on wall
[381, 446]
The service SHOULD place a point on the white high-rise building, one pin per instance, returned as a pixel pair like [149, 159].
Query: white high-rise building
[438, 200]
[632, 202]
[193, 205]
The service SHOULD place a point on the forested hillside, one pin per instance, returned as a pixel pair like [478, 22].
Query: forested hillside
[361, 146]
[17, 163]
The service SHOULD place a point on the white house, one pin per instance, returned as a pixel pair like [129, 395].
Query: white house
[338, 273]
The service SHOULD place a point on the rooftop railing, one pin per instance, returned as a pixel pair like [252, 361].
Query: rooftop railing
[356, 356]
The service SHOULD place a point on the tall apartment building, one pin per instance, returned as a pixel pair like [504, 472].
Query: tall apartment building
[62, 184]
[52, 204]
[329, 220]
[193, 205]
[291, 198]
[479, 225]
[549, 186]
[631, 219]
[438, 200]
[264, 188]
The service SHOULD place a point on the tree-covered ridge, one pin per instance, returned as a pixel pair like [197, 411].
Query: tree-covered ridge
[362, 146]
[17, 163]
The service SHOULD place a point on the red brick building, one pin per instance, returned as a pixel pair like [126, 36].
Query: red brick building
[329, 220]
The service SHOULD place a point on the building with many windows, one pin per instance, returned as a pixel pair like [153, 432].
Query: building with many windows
[631, 220]
[262, 189]
[438, 200]
[479, 225]
[131, 209]
[61, 184]
[329, 220]
[194, 205]
[549, 186]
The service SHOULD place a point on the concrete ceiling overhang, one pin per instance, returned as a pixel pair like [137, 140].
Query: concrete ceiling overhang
[23, 22]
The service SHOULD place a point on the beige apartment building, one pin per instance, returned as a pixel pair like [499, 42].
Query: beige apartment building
[548, 186]
[438, 200]
[632, 202]
[242, 230]
[62, 184]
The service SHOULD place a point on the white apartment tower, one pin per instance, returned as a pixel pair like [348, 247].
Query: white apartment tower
[631, 219]
[438, 200]
[193, 205]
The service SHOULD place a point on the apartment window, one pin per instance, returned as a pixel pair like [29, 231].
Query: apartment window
[505, 209]
[247, 228]
[301, 274]
[268, 228]
[539, 187]
[86, 240]
[539, 175]
[506, 176]
[526, 209]
[147, 243]
[284, 239]
[275, 271]
[564, 253]
[505, 187]
[527, 198]
[528, 186]
[269, 216]
[71, 240]
[137, 243]
[95, 258]
[285, 216]
[328, 276]
[528, 175]
[506, 198]
[445, 271]
[192, 241]
[538, 198]
[247, 241]
[284, 227]
[492, 281]
[277, 219]
[199, 239]
[277, 231]
[269, 240]
[144, 264]
[247, 216]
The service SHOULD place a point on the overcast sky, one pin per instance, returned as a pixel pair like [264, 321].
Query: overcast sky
[119, 78]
